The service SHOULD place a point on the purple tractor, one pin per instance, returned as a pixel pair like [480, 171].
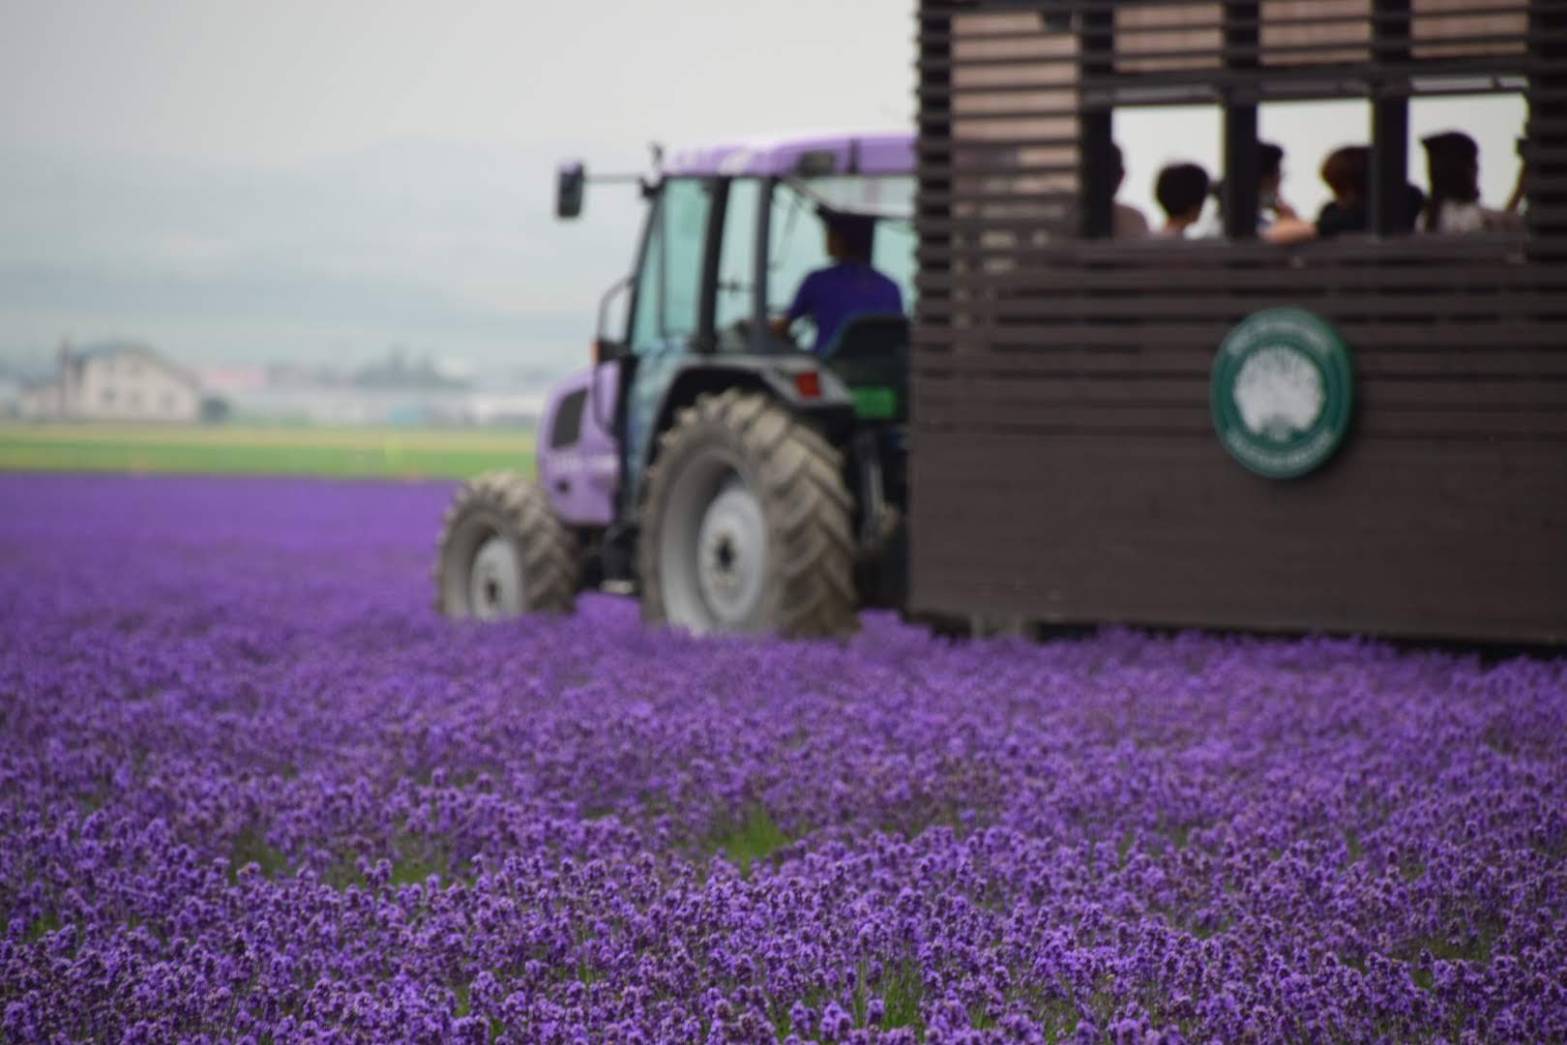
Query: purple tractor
[707, 462]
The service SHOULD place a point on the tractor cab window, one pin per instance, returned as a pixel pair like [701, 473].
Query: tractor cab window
[797, 234]
[891, 199]
[668, 290]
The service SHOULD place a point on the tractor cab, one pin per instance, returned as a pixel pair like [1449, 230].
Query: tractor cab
[738, 467]
[731, 234]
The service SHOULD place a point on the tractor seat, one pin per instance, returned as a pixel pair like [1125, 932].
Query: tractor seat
[869, 334]
[870, 354]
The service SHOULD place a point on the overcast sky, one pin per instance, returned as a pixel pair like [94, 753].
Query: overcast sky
[321, 178]
[244, 181]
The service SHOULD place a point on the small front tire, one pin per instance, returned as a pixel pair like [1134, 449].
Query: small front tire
[503, 553]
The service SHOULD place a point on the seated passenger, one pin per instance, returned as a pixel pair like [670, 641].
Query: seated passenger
[1271, 207]
[1181, 190]
[1453, 165]
[1347, 172]
[850, 286]
[1129, 221]
[1270, 179]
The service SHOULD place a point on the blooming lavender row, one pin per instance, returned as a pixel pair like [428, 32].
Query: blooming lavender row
[251, 786]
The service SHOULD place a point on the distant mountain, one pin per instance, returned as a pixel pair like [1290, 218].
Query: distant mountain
[448, 247]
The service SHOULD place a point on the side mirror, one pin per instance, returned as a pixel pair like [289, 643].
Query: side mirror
[569, 181]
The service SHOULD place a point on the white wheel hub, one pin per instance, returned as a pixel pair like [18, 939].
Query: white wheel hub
[732, 554]
[495, 582]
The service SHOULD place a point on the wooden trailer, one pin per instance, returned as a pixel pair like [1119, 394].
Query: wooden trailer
[1109, 430]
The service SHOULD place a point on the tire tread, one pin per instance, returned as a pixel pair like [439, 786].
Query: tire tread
[804, 499]
[551, 565]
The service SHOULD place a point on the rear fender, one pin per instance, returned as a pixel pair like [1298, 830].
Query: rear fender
[786, 379]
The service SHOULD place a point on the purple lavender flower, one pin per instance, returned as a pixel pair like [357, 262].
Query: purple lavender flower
[252, 787]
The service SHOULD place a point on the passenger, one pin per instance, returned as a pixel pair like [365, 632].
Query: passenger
[1271, 207]
[1129, 221]
[1453, 165]
[848, 287]
[1270, 179]
[1347, 172]
[1181, 189]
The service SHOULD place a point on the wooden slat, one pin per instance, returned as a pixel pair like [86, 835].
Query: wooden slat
[1067, 307]
[1523, 393]
[1129, 420]
[1324, 263]
[935, 361]
[1464, 367]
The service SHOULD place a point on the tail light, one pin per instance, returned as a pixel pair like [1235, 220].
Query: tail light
[809, 384]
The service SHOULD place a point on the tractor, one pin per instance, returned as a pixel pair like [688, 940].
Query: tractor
[732, 477]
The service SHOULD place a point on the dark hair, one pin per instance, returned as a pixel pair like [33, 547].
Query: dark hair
[856, 231]
[1270, 160]
[1346, 169]
[1180, 187]
[1453, 165]
[1117, 162]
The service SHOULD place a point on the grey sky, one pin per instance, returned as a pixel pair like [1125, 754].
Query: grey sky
[288, 80]
[319, 180]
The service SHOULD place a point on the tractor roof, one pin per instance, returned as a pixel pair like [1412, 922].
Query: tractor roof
[884, 152]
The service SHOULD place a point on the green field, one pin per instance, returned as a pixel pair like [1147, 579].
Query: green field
[403, 453]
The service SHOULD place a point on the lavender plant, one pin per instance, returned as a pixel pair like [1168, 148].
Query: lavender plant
[253, 788]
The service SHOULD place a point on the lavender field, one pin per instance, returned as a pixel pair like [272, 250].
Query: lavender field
[253, 788]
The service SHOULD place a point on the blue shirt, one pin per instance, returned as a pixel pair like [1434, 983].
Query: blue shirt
[832, 295]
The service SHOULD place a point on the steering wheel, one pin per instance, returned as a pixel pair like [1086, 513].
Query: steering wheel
[737, 337]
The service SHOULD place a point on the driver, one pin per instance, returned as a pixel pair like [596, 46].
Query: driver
[846, 288]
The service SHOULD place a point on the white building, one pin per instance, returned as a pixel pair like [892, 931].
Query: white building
[10, 397]
[114, 382]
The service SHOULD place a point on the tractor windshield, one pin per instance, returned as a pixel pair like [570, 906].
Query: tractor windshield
[797, 235]
[668, 287]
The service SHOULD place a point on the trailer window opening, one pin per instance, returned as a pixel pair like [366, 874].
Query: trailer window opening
[1496, 124]
[1305, 132]
[1304, 146]
[1152, 140]
[1039, 93]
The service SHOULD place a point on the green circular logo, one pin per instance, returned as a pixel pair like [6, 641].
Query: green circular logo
[1281, 392]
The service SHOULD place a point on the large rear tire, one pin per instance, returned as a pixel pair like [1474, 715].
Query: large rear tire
[747, 525]
[503, 552]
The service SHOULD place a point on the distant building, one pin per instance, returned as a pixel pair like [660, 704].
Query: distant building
[114, 382]
[10, 396]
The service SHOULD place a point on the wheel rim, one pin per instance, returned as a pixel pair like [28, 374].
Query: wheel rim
[731, 554]
[713, 553]
[495, 580]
